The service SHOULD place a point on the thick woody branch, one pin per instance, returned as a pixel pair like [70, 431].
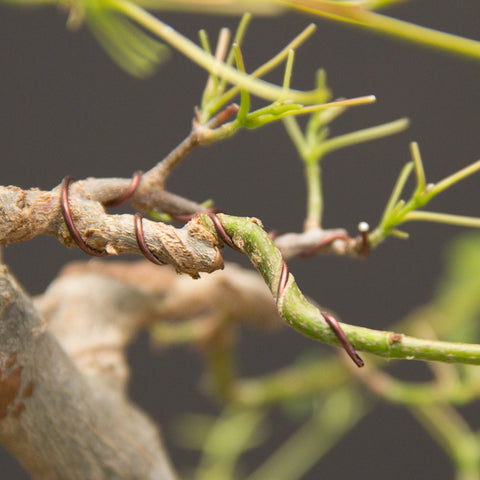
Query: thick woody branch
[26, 214]
[192, 249]
[63, 407]
[60, 423]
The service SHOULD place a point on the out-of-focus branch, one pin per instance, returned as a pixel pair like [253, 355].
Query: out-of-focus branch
[59, 421]
[63, 407]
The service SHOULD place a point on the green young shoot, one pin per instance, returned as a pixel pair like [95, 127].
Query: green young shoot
[357, 13]
[298, 313]
[204, 41]
[459, 220]
[214, 96]
[195, 53]
[271, 113]
[212, 81]
[244, 95]
[313, 145]
[267, 67]
[237, 40]
[453, 179]
[419, 170]
[287, 77]
[399, 211]
[361, 136]
[397, 190]
[211, 88]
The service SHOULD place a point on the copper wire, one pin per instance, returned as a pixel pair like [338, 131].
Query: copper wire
[282, 283]
[187, 218]
[342, 338]
[128, 193]
[324, 242]
[125, 196]
[142, 245]
[67, 217]
[221, 231]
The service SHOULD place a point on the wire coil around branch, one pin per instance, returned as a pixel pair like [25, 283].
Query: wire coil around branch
[67, 217]
[128, 193]
[142, 245]
[282, 283]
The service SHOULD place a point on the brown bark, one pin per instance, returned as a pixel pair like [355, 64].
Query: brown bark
[59, 422]
[64, 413]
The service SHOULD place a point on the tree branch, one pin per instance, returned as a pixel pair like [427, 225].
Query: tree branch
[58, 422]
[25, 214]
[251, 239]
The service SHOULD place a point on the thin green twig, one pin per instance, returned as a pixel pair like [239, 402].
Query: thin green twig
[355, 13]
[195, 53]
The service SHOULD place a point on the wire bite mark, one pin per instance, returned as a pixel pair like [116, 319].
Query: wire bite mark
[67, 217]
[342, 338]
[142, 245]
[128, 193]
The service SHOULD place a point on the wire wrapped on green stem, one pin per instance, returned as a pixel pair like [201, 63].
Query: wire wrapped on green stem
[250, 238]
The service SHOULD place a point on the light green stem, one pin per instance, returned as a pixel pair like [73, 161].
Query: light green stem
[459, 220]
[200, 57]
[419, 170]
[270, 65]
[296, 135]
[291, 382]
[355, 14]
[452, 179]
[382, 230]
[364, 135]
[314, 196]
[420, 393]
[228, 438]
[307, 319]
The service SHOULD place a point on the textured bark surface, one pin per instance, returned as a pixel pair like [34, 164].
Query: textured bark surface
[64, 413]
[59, 422]
[25, 214]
